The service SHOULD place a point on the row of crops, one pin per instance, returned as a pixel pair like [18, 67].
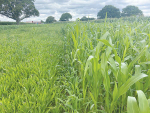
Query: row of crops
[129, 19]
[107, 62]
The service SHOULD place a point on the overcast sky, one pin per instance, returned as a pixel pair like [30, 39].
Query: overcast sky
[80, 8]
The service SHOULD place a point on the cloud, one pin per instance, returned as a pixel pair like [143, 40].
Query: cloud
[80, 8]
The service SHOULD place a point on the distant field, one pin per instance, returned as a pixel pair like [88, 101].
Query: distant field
[76, 67]
[12, 23]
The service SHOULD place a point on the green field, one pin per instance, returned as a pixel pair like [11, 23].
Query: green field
[28, 59]
[77, 67]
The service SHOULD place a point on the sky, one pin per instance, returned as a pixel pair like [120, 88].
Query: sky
[80, 8]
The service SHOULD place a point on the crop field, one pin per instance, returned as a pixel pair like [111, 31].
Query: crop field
[28, 58]
[77, 67]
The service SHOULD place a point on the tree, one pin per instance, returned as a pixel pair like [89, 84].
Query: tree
[50, 19]
[42, 21]
[18, 9]
[84, 18]
[112, 12]
[131, 11]
[65, 17]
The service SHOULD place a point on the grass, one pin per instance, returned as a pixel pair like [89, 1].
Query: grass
[13, 23]
[75, 67]
[28, 58]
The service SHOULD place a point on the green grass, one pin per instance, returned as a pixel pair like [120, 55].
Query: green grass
[76, 67]
[28, 58]
[12, 23]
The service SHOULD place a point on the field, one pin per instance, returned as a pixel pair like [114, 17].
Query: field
[28, 58]
[76, 67]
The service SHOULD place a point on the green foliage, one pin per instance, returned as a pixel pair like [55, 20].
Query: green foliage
[109, 60]
[18, 10]
[131, 11]
[144, 104]
[84, 18]
[112, 12]
[80, 68]
[11, 23]
[124, 19]
[29, 55]
[65, 17]
[42, 21]
[50, 19]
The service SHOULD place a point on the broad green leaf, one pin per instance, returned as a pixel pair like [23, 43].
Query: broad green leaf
[118, 59]
[124, 72]
[105, 42]
[87, 64]
[136, 59]
[74, 41]
[115, 92]
[149, 102]
[124, 88]
[114, 67]
[143, 102]
[132, 106]
[127, 58]
[108, 51]
[93, 100]
[124, 53]
[138, 84]
[148, 62]
[75, 55]
[105, 72]
[99, 45]
[130, 39]
[137, 69]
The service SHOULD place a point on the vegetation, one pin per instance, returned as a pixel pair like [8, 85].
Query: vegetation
[131, 11]
[84, 18]
[21, 9]
[144, 104]
[107, 63]
[124, 19]
[42, 21]
[50, 19]
[112, 12]
[18, 10]
[29, 57]
[11, 23]
[75, 67]
[65, 17]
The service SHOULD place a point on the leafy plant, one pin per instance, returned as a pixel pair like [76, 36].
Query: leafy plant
[142, 107]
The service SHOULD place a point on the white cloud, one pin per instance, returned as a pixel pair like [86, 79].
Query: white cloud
[80, 8]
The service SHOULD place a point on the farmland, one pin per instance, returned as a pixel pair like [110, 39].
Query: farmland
[75, 67]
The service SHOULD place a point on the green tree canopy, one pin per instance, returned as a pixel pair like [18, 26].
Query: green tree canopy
[50, 19]
[84, 18]
[18, 9]
[65, 17]
[42, 21]
[112, 12]
[131, 11]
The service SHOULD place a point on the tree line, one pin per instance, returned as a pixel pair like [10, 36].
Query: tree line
[21, 9]
[112, 12]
